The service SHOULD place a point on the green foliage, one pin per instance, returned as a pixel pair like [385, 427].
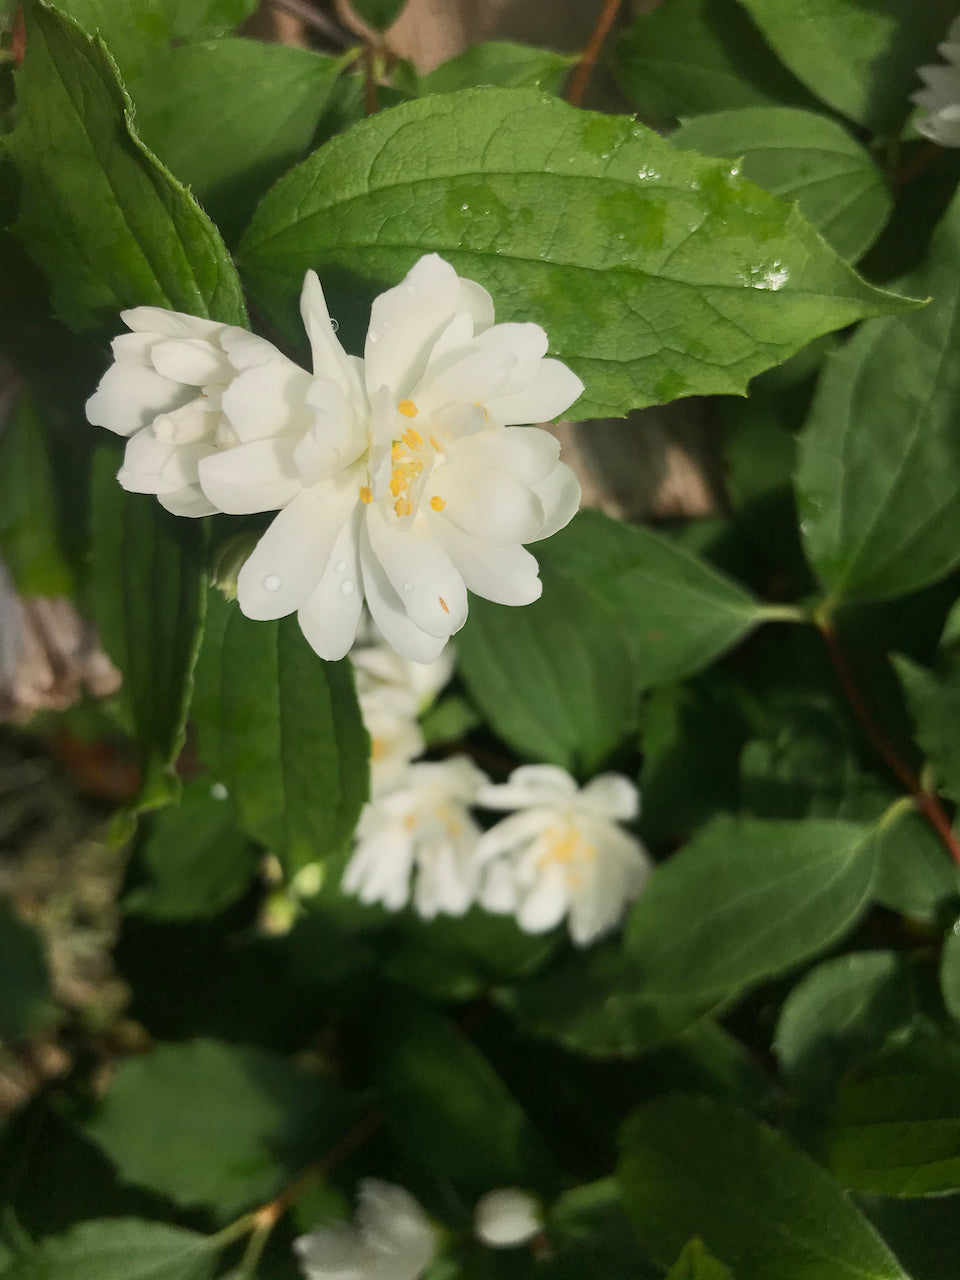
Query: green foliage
[119, 1249]
[288, 745]
[879, 476]
[86, 180]
[567, 218]
[836, 185]
[25, 1001]
[935, 707]
[696, 1264]
[692, 1167]
[499, 63]
[29, 526]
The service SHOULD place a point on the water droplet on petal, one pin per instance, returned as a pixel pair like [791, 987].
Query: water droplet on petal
[411, 288]
[347, 588]
[334, 324]
[341, 566]
[373, 336]
[408, 586]
[271, 582]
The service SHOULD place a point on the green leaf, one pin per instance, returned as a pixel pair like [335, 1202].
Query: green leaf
[104, 221]
[641, 262]
[896, 1125]
[689, 56]
[590, 1235]
[120, 1249]
[449, 720]
[230, 116]
[196, 861]
[29, 531]
[499, 63]
[379, 13]
[137, 31]
[950, 972]
[859, 56]
[914, 873]
[696, 1264]
[207, 1123]
[922, 1233]
[25, 1001]
[146, 592]
[934, 704]
[691, 1167]
[281, 729]
[745, 900]
[797, 155]
[843, 1011]
[879, 474]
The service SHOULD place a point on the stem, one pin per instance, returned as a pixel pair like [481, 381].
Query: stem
[370, 80]
[312, 17]
[927, 803]
[926, 155]
[783, 613]
[581, 77]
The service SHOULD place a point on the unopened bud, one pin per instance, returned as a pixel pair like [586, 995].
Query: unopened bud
[507, 1217]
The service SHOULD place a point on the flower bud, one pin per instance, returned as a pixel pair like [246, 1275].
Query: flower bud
[507, 1217]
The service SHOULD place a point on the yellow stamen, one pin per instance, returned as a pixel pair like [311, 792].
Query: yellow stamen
[563, 849]
[486, 416]
[366, 497]
[397, 451]
[402, 507]
[412, 439]
[443, 604]
[378, 748]
[397, 483]
[408, 408]
[436, 444]
[438, 503]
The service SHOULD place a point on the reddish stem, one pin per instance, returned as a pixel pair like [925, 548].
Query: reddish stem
[18, 37]
[581, 77]
[928, 804]
[371, 101]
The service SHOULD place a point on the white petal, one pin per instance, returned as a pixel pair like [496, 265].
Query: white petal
[422, 575]
[130, 397]
[528, 453]
[335, 437]
[329, 358]
[259, 476]
[188, 501]
[473, 377]
[330, 616]
[379, 870]
[546, 903]
[510, 835]
[611, 795]
[498, 892]
[560, 497]
[478, 304]
[189, 425]
[268, 400]
[527, 343]
[552, 392]
[290, 559]
[190, 360]
[531, 784]
[405, 322]
[171, 324]
[333, 1253]
[505, 575]
[144, 459]
[507, 1217]
[388, 611]
[489, 505]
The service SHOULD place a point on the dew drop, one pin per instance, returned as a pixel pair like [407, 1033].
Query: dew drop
[341, 566]
[411, 288]
[464, 208]
[334, 324]
[408, 586]
[218, 791]
[271, 582]
[347, 588]
[373, 336]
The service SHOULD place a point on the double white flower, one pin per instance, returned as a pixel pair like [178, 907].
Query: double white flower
[403, 479]
[940, 98]
[392, 1240]
[562, 853]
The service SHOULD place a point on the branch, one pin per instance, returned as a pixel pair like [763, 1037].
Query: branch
[581, 77]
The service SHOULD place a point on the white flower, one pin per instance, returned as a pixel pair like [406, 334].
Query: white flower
[507, 1217]
[169, 389]
[390, 715]
[414, 482]
[377, 666]
[420, 830]
[392, 1239]
[563, 853]
[941, 97]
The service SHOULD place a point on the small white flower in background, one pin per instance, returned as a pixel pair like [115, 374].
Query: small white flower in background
[562, 853]
[392, 1239]
[507, 1217]
[940, 99]
[418, 841]
[377, 666]
[172, 387]
[390, 716]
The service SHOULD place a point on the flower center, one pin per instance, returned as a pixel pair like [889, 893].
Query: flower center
[413, 460]
[566, 847]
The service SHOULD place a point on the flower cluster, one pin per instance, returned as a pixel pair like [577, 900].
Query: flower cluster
[403, 479]
[940, 97]
[393, 1239]
[560, 853]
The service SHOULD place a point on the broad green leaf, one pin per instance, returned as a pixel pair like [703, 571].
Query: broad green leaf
[146, 592]
[228, 117]
[281, 729]
[379, 13]
[137, 31]
[447, 1109]
[879, 474]
[950, 971]
[692, 1167]
[689, 56]
[914, 873]
[449, 720]
[922, 1232]
[105, 222]
[934, 703]
[896, 1125]
[859, 56]
[120, 1249]
[801, 156]
[499, 63]
[193, 859]
[696, 1264]
[843, 1011]
[208, 1123]
[591, 1236]
[29, 526]
[747, 899]
[25, 1001]
[641, 262]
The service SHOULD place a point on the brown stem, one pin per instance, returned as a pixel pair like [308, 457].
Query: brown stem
[926, 155]
[312, 17]
[928, 804]
[370, 80]
[358, 1135]
[581, 77]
